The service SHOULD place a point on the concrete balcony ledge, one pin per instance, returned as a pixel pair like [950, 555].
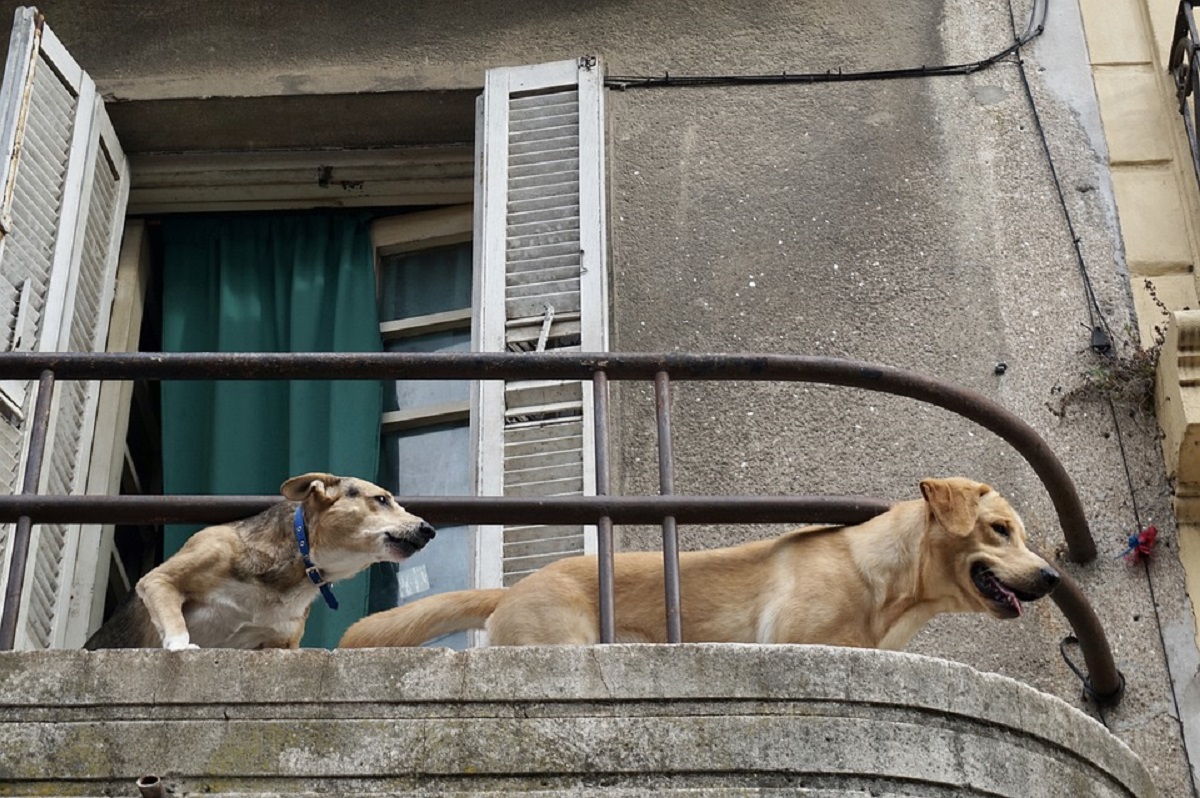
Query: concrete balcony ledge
[696, 720]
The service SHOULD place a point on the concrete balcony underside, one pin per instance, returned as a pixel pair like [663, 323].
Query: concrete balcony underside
[701, 720]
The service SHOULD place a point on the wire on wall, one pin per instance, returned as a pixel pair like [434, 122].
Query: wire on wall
[1034, 28]
[1100, 332]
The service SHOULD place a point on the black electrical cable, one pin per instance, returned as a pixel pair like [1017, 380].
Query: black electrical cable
[1101, 334]
[1037, 23]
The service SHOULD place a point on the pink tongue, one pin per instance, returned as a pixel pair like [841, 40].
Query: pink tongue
[1013, 601]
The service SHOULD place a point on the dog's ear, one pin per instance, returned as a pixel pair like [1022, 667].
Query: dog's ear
[954, 502]
[323, 486]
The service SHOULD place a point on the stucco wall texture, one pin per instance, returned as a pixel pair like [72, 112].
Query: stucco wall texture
[911, 222]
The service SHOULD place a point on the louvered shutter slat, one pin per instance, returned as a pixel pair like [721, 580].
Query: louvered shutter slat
[569, 214]
[543, 547]
[537, 256]
[548, 153]
[541, 460]
[560, 280]
[524, 307]
[551, 203]
[522, 534]
[557, 480]
[524, 273]
[545, 435]
[524, 225]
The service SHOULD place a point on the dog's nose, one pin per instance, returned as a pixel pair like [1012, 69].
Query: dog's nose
[429, 533]
[1050, 578]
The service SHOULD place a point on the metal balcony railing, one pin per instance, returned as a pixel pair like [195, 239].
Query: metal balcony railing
[1103, 681]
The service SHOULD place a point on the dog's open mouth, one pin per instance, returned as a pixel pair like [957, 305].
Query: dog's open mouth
[409, 543]
[1006, 600]
[405, 546]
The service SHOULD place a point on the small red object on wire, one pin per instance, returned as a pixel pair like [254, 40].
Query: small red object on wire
[1140, 545]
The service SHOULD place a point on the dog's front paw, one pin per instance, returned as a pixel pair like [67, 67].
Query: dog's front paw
[178, 643]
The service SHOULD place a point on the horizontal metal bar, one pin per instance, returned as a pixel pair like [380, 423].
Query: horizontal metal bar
[582, 366]
[455, 510]
[429, 366]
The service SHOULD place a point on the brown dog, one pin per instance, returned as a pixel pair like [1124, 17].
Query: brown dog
[960, 549]
[250, 583]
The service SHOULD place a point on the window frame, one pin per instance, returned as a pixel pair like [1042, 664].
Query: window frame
[414, 232]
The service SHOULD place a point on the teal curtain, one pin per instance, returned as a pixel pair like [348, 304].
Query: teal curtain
[291, 282]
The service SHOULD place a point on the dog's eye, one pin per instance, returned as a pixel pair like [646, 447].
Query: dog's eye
[384, 500]
[1001, 530]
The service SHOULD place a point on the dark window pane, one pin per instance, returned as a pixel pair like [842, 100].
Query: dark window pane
[414, 394]
[424, 282]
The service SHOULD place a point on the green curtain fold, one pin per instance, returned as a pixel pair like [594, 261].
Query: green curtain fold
[291, 282]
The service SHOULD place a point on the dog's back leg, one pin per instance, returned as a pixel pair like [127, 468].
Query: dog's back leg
[545, 618]
[129, 627]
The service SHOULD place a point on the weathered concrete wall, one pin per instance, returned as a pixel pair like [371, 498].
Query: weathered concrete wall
[621, 720]
[915, 222]
[176, 49]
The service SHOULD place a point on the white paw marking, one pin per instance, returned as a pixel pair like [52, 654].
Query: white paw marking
[178, 643]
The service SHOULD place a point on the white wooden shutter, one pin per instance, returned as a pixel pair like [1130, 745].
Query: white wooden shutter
[65, 183]
[540, 285]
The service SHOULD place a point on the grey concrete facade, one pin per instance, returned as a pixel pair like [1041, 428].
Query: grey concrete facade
[703, 720]
[911, 222]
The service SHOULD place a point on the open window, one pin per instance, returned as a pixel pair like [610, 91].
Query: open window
[521, 269]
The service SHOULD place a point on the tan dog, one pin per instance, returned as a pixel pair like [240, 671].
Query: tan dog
[249, 584]
[960, 549]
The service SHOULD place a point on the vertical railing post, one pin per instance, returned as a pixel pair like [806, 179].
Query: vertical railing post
[666, 487]
[24, 528]
[604, 526]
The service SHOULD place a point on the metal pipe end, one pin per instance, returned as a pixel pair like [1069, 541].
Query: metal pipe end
[1111, 698]
[151, 787]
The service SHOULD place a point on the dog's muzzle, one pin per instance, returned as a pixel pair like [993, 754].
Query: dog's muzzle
[410, 543]
[1007, 600]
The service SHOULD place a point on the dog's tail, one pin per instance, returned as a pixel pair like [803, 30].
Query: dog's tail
[434, 616]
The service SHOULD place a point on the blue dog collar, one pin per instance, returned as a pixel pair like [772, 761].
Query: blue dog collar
[310, 568]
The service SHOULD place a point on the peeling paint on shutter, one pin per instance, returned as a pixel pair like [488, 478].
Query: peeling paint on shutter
[540, 286]
[65, 186]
